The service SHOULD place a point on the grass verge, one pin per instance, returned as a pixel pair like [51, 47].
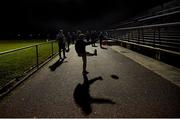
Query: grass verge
[15, 64]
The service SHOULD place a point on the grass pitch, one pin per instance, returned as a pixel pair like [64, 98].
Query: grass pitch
[15, 64]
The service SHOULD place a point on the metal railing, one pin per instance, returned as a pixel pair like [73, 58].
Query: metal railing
[158, 14]
[16, 63]
[169, 9]
[163, 37]
[161, 15]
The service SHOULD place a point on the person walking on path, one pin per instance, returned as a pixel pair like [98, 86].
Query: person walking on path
[73, 37]
[61, 43]
[80, 48]
[101, 38]
[69, 38]
[93, 38]
[87, 36]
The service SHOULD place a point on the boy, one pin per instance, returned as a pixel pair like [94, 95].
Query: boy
[80, 48]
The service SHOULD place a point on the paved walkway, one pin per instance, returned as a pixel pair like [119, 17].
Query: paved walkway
[117, 87]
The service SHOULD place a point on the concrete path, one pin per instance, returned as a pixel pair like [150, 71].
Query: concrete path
[117, 87]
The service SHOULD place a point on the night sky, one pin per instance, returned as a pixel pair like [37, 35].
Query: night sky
[48, 15]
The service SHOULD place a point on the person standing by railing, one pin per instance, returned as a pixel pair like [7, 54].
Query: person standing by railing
[61, 43]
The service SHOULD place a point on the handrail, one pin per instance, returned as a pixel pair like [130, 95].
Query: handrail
[9, 51]
[38, 59]
[147, 46]
[143, 18]
[156, 36]
[168, 9]
[162, 15]
[147, 26]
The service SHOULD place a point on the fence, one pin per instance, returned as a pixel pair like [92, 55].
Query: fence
[15, 64]
[167, 12]
[159, 38]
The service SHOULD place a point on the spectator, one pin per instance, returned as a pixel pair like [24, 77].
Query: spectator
[101, 38]
[93, 38]
[61, 43]
[69, 38]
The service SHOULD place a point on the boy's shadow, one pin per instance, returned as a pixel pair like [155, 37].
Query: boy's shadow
[56, 64]
[83, 98]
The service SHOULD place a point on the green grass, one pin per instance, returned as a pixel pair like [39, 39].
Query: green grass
[14, 64]
[13, 44]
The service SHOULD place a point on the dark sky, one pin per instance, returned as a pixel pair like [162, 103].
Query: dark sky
[34, 15]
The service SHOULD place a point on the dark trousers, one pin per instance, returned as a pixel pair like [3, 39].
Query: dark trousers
[100, 42]
[68, 44]
[63, 48]
[93, 44]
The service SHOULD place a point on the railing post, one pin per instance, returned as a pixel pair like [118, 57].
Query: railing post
[159, 36]
[132, 37]
[154, 34]
[52, 48]
[37, 59]
[129, 35]
[138, 37]
[143, 35]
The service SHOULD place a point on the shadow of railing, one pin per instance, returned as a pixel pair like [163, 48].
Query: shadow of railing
[56, 64]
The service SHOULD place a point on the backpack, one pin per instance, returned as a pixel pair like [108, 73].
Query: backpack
[80, 47]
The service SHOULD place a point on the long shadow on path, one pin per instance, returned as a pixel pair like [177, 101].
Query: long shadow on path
[83, 98]
[56, 64]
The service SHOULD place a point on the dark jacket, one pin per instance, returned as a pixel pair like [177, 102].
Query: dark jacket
[80, 47]
[61, 39]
